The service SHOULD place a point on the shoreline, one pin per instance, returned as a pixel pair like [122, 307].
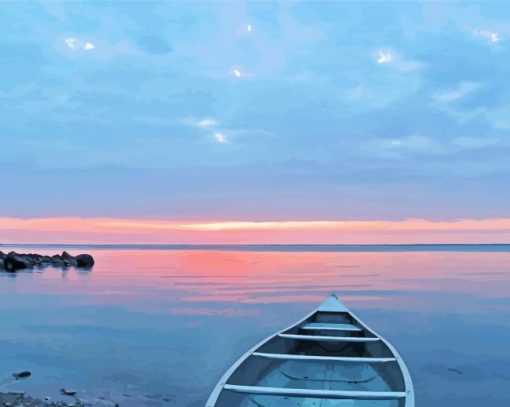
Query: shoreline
[16, 398]
[364, 248]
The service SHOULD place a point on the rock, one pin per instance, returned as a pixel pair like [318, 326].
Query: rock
[22, 375]
[84, 260]
[68, 392]
[56, 261]
[66, 256]
[44, 261]
[69, 261]
[38, 260]
[14, 262]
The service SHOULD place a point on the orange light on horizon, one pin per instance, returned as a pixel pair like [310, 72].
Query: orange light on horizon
[122, 230]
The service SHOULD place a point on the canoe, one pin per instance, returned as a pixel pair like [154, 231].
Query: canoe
[328, 359]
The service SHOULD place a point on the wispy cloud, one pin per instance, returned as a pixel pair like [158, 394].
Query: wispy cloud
[201, 123]
[385, 57]
[489, 36]
[458, 92]
[237, 72]
[76, 44]
[220, 137]
[397, 148]
[205, 123]
[391, 58]
[70, 42]
[119, 230]
[211, 126]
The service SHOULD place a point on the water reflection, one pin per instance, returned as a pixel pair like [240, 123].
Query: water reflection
[146, 326]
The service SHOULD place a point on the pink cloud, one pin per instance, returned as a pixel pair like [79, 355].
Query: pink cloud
[117, 230]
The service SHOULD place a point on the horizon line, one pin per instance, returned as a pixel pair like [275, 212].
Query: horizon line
[275, 247]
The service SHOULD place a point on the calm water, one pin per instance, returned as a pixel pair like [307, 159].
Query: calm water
[158, 328]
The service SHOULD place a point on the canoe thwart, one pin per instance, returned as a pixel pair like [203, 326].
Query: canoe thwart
[326, 326]
[342, 359]
[329, 338]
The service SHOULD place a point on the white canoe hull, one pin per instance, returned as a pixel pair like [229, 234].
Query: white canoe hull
[328, 359]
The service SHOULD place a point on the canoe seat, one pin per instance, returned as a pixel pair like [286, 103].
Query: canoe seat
[327, 326]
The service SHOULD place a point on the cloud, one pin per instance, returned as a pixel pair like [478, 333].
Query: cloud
[220, 137]
[417, 143]
[490, 36]
[210, 126]
[460, 91]
[77, 44]
[70, 42]
[204, 123]
[385, 57]
[397, 148]
[132, 230]
[391, 58]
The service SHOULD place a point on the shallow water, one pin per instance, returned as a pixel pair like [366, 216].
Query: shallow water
[159, 327]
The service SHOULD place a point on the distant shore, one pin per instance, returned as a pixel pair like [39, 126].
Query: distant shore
[483, 247]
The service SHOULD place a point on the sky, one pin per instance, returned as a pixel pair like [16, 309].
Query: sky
[255, 112]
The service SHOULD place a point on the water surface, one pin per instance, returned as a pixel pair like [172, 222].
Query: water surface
[159, 327]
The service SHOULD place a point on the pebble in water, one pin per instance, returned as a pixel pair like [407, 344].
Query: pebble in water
[22, 375]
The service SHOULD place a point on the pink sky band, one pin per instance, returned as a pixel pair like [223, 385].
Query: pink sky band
[117, 230]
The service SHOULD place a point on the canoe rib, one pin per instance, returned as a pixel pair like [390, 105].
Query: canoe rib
[323, 358]
[330, 338]
[329, 394]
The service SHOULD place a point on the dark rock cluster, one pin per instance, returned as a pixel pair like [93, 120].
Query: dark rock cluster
[12, 262]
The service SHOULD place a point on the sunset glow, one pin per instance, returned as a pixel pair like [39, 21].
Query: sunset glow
[116, 230]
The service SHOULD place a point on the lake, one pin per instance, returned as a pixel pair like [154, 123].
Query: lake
[159, 327]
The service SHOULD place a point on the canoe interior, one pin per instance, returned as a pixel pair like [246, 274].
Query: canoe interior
[318, 374]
